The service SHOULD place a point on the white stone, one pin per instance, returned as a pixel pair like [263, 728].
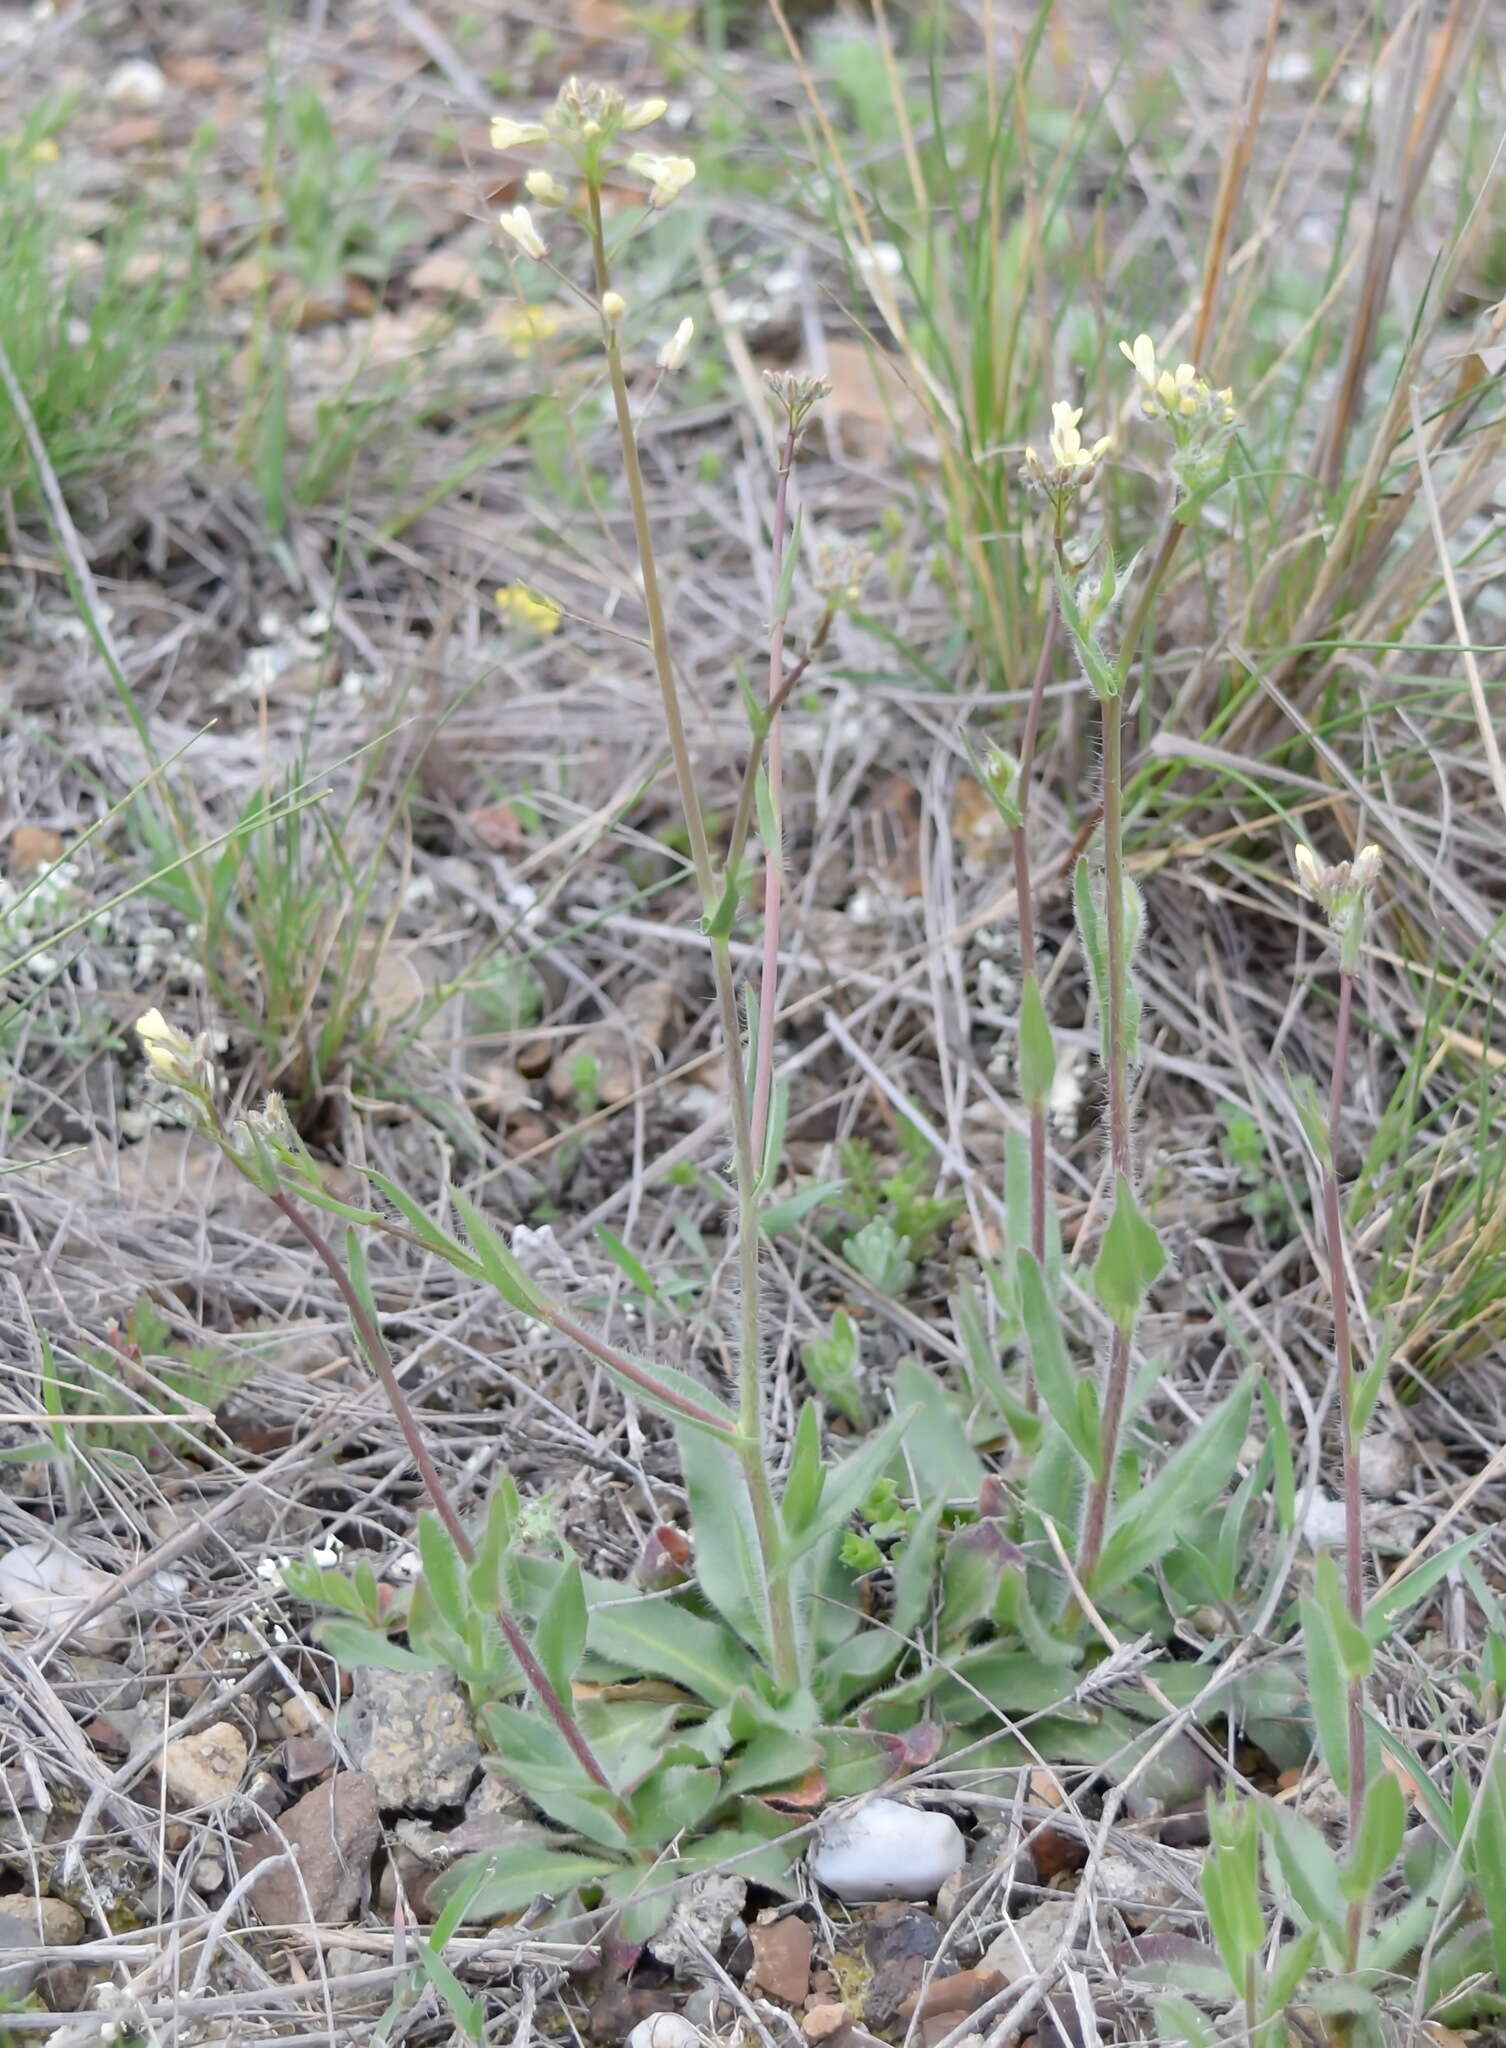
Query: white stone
[47, 1586]
[664, 2030]
[1323, 1523]
[137, 84]
[885, 1850]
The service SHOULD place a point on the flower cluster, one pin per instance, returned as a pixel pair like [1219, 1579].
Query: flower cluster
[581, 126]
[1073, 460]
[1180, 395]
[1341, 893]
[795, 397]
[174, 1057]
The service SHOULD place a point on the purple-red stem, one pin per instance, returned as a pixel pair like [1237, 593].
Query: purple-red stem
[374, 1344]
[1338, 1286]
[773, 856]
[1025, 906]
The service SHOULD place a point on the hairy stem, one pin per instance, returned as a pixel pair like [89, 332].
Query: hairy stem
[1019, 838]
[783, 1635]
[773, 855]
[374, 1344]
[1095, 1522]
[1338, 1286]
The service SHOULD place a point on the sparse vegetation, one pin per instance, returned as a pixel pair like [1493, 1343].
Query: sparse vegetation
[750, 1046]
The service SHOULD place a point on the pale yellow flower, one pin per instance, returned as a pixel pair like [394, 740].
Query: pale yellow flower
[1067, 448]
[1072, 460]
[545, 188]
[640, 113]
[613, 306]
[518, 224]
[1180, 394]
[667, 175]
[510, 134]
[173, 1056]
[523, 607]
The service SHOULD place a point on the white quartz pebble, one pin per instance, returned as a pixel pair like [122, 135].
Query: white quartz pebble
[884, 1850]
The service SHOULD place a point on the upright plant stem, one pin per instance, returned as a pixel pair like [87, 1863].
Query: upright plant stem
[783, 1636]
[1333, 1233]
[773, 855]
[374, 1344]
[1121, 1162]
[1117, 1387]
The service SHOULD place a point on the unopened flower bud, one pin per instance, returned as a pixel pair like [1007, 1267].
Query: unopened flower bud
[674, 350]
[613, 306]
[510, 134]
[545, 188]
[640, 113]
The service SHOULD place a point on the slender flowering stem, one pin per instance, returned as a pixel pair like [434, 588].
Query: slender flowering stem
[1333, 1233]
[783, 1632]
[1019, 837]
[773, 855]
[1116, 1388]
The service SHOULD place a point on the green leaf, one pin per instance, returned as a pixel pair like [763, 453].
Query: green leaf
[506, 1880]
[424, 1228]
[1054, 1377]
[1283, 1470]
[881, 1255]
[936, 1447]
[670, 1801]
[1327, 1686]
[559, 1638]
[1103, 678]
[776, 1757]
[627, 1261]
[1387, 1607]
[1152, 1520]
[1093, 932]
[807, 1475]
[831, 1366]
[444, 1572]
[1307, 1868]
[782, 1216]
[847, 1484]
[1037, 1053]
[1378, 1844]
[773, 1138]
[497, 1263]
[1179, 2023]
[1292, 1963]
[657, 1639]
[1130, 1259]
[1231, 1887]
[1356, 1656]
[352, 1644]
[489, 1576]
[1487, 1855]
[728, 1562]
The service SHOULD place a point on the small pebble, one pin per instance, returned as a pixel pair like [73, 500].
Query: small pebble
[823, 2020]
[137, 83]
